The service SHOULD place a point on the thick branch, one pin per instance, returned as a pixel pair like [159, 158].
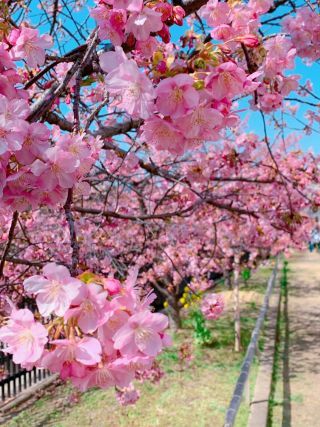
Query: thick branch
[112, 214]
[190, 6]
[118, 128]
[45, 103]
[72, 230]
[10, 238]
[21, 261]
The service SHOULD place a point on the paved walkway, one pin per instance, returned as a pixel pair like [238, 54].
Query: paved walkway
[301, 367]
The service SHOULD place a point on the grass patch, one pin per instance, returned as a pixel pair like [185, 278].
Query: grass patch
[276, 400]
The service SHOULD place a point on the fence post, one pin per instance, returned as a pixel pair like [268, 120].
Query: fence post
[236, 299]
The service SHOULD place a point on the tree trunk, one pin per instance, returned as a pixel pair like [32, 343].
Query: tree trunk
[174, 316]
[236, 299]
[227, 278]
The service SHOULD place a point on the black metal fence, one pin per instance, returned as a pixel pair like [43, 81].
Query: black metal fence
[14, 379]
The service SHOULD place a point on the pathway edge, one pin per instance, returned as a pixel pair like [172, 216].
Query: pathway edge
[259, 406]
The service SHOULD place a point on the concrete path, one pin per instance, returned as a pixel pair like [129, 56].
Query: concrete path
[301, 362]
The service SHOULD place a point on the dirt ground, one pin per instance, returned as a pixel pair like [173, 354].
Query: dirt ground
[301, 366]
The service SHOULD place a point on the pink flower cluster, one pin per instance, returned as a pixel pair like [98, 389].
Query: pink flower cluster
[185, 115]
[101, 334]
[280, 56]
[212, 306]
[41, 173]
[239, 23]
[36, 166]
[153, 374]
[304, 29]
[132, 22]
[179, 113]
[181, 109]
[127, 395]
[178, 116]
[231, 21]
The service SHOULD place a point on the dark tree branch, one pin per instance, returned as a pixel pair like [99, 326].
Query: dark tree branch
[10, 239]
[73, 235]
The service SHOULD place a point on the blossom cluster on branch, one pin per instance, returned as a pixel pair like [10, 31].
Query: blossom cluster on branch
[101, 335]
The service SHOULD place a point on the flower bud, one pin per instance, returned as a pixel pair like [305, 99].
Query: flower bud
[249, 40]
[198, 84]
[157, 57]
[199, 63]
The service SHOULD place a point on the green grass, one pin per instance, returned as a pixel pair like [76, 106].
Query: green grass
[276, 399]
[197, 395]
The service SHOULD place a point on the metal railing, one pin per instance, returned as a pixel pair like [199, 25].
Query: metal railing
[15, 379]
[250, 353]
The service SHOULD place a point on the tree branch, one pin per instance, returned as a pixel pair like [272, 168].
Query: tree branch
[10, 238]
[73, 234]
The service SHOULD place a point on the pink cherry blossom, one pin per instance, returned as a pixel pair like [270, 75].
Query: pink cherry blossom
[154, 154]
[141, 333]
[244, 19]
[260, 6]
[176, 96]
[163, 135]
[113, 286]
[75, 145]
[30, 46]
[133, 89]
[49, 198]
[14, 110]
[113, 320]
[35, 142]
[304, 30]
[10, 137]
[142, 24]
[71, 354]
[223, 32]
[128, 395]
[5, 60]
[281, 55]
[212, 306]
[55, 290]
[62, 68]
[24, 338]
[249, 40]
[88, 307]
[147, 47]
[12, 115]
[270, 102]
[165, 9]
[105, 375]
[227, 80]
[113, 27]
[58, 169]
[111, 60]
[130, 5]
[111, 23]
[215, 13]
[178, 14]
[201, 123]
